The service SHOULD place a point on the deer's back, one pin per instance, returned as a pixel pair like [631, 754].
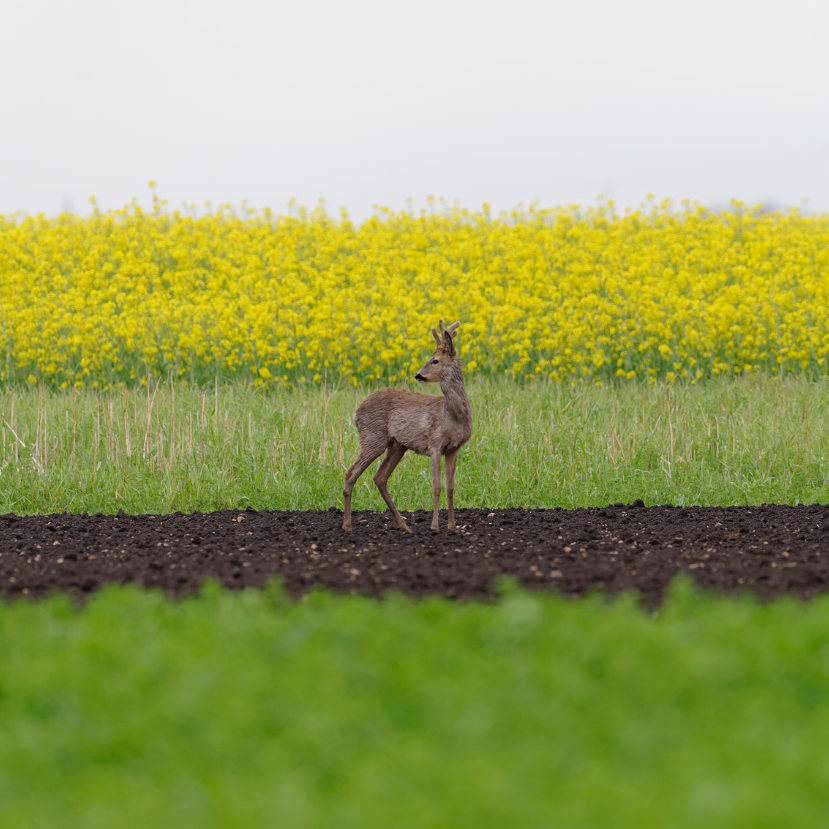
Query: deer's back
[405, 416]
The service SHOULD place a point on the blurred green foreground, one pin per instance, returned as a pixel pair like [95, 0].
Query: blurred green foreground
[250, 710]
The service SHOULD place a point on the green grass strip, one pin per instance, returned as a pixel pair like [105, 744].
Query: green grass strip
[743, 440]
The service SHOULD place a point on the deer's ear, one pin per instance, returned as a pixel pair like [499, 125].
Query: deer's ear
[448, 345]
[436, 336]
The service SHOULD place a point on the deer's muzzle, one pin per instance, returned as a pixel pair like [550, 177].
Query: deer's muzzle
[420, 378]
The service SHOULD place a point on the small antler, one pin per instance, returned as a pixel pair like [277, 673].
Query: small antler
[451, 331]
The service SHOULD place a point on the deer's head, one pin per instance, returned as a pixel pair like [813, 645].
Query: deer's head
[445, 356]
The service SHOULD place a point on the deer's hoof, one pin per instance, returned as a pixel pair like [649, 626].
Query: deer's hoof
[406, 527]
[346, 529]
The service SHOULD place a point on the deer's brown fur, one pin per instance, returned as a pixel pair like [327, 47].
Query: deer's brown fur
[394, 421]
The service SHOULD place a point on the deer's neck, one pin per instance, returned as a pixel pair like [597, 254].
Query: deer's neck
[455, 401]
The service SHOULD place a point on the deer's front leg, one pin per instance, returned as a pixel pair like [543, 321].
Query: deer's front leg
[450, 486]
[436, 488]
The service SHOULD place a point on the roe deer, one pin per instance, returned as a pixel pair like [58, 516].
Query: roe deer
[394, 420]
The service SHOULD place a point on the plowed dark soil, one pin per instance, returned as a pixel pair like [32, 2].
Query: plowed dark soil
[769, 549]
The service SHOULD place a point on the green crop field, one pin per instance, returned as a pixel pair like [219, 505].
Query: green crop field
[244, 709]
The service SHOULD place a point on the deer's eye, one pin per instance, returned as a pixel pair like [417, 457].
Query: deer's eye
[434, 362]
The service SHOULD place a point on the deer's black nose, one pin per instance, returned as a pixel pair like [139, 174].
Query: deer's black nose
[419, 378]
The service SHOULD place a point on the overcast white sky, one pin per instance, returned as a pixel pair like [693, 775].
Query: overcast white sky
[365, 103]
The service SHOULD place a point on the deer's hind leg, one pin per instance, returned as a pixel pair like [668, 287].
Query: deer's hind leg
[368, 454]
[394, 454]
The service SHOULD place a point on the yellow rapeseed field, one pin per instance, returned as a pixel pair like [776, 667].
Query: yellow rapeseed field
[661, 292]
